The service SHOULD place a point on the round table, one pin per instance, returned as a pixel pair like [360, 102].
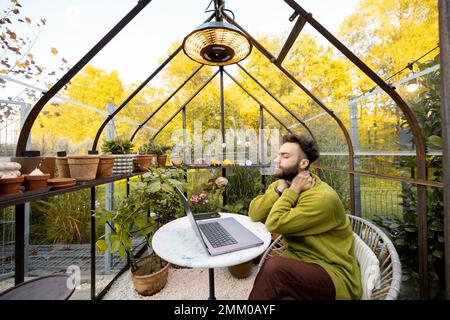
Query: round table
[177, 243]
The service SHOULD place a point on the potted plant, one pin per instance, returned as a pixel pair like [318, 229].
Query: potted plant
[161, 153]
[147, 155]
[152, 203]
[121, 149]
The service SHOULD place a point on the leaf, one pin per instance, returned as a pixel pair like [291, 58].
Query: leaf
[154, 187]
[54, 51]
[101, 245]
[167, 187]
[115, 245]
[435, 141]
[438, 253]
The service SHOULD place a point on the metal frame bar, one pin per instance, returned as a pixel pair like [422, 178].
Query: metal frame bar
[185, 104]
[222, 124]
[93, 237]
[259, 102]
[444, 42]
[278, 100]
[296, 29]
[19, 252]
[418, 182]
[164, 103]
[131, 96]
[28, 124]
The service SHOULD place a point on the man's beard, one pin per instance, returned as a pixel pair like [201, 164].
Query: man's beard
[288, 173]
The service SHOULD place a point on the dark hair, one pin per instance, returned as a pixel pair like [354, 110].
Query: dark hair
[308, 146]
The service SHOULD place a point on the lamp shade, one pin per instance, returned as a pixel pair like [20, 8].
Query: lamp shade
[216, 43]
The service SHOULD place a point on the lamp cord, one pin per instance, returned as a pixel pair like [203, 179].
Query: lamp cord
[218, 10]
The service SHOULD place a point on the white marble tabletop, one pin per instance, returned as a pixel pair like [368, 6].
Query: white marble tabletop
[176, 242]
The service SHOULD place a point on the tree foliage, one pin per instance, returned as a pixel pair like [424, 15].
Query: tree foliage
[388, 34]
[18, 34]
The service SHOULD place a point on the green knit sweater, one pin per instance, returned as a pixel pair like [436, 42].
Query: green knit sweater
[315, 229]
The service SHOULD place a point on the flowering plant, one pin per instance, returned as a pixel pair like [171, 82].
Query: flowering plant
[209, 199]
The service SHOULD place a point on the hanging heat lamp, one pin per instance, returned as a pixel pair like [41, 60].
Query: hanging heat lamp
[217, 43]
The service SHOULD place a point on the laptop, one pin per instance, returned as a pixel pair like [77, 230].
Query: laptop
[220, 235]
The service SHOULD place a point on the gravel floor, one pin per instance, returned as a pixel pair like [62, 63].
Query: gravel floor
[187, 284]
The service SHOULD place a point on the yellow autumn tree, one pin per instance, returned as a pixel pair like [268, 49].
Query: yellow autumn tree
[64, 124]
[388, 34]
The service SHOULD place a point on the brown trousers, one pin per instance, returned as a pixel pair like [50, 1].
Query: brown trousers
[283, 278]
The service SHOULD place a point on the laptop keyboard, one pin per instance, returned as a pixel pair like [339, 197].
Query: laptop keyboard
[216, 234]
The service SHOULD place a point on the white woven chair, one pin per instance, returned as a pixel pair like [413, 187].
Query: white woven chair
[387, 286]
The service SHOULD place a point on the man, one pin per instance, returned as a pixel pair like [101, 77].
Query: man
[318, 262]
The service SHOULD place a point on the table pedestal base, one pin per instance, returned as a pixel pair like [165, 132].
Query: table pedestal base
[211, 284]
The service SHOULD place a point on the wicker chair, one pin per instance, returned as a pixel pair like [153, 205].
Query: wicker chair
[389, 262]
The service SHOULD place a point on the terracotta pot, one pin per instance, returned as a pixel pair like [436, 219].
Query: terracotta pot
[149, 284]
[10, 186]
[144, 162]
[154, 160]
[177, 161]
[105, 166]
[45, 164]
[162, 160]
[35, 182]
[63, 167]
[83, 167]
[241, 270]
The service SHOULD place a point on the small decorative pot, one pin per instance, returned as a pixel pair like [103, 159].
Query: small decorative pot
[162, 160]
[105, 166]
[63, 167]
[45, 164]
[36, 182]
[177, 161]
[83, 167]
[10, 186]
[123, 163]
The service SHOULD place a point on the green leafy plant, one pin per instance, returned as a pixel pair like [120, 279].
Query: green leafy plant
[151, 147]
[245, 184]
[152, 203]
[118, 146]
[63, 219]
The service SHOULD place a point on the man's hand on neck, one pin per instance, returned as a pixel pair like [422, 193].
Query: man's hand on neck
[302, 182]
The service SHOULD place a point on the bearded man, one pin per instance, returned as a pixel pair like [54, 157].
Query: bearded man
[318, 262]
